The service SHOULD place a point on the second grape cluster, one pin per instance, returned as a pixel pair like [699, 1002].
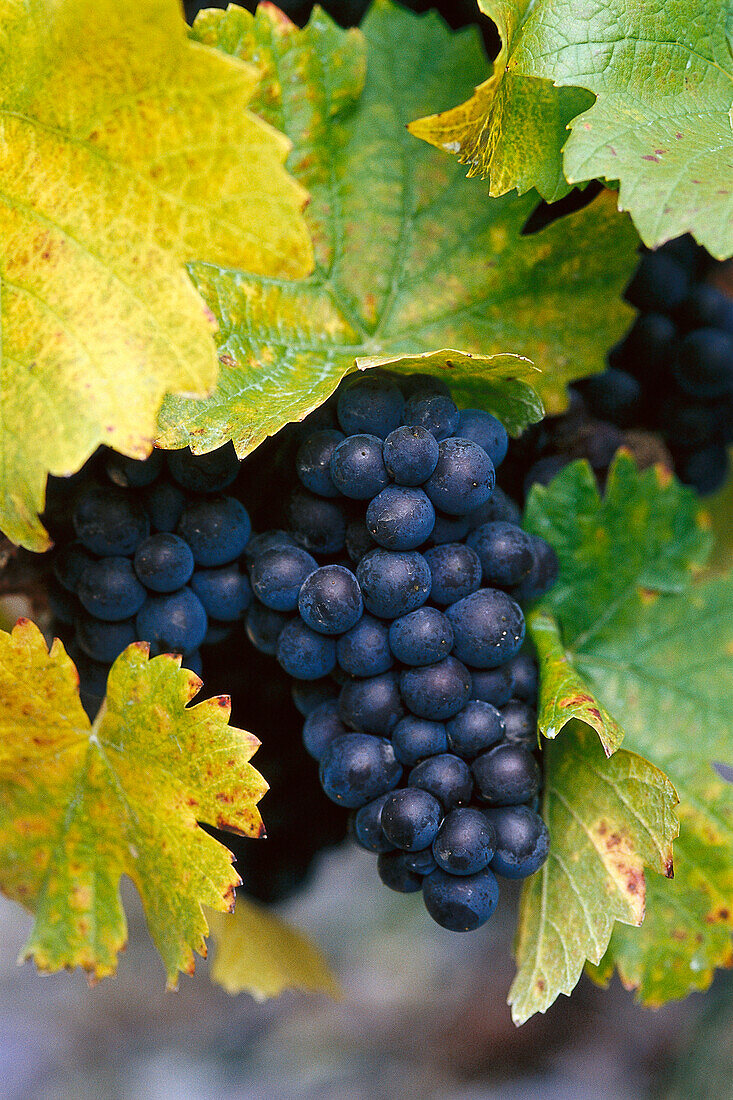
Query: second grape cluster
[393, 600]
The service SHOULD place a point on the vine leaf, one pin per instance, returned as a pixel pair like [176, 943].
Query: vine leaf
[257, 953]
[608, 819]
[126, 151]
[411, 259]
[81, 804]
[513, 127]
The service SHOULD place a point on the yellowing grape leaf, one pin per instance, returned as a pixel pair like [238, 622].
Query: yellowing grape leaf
[415, 269]
[257, 953]
[81, 804]
[125, 150]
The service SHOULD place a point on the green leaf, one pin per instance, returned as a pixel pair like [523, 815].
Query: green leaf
[126, 150]
[608, 819]
[81, 804]
[410, 256]
[512, 129]
[257, 953]
[661, 123]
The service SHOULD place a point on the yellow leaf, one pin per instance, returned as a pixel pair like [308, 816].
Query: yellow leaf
[259, 954]
[81, 804]
[126, 150]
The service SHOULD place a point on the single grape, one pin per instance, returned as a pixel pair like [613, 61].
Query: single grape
[526, 677]
[659, 284]
[465, 842]
[164, 503]
[456, 572]
[449, 529]
[134, 473]
[422, 637]
[400, 518]
[460, 904]
[410, 454]
[463, 479]
[434, 412]
[613, 395]
[321, 727]
[507, 775]
[110, 522]
[706, 307]
[446, 776]
[164, 562]
[358, 540]
[706, 469]
[522, 841]
[217, 528]
[396, 871]
[313, 462]
[371, 404]
[505, 553]
[174, 622]
[488, 627]
[303, 653]
[704, 365]
[109, 590]
[414, 738]
[364, 650]
[393, 582]
[266, 540]
[207, 473]
[317, 524]
[485, 430]
[368, 831]
[373, 705]
[225, 592]
[277, 576]
[63, 604]
[493, 685]
[357, 768]
[357, 467]
[69, 563]
[104, 641]
[520, 721]
[474, 729]
[437, 691]
[542, 574]
[264, 627]
[498, 507]
[330, 600]
[308, 694]
[410, 818]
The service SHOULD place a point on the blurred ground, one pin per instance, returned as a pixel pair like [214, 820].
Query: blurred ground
[424, 1015]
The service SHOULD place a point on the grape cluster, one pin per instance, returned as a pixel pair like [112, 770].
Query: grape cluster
[155, 556]
[391, 598]
[667, 394]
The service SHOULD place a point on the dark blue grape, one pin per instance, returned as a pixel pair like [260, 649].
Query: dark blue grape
[358, 541]
[63, 604]
[364, 650]
[456, 572]
[505, 553]
[463, 478]
[69, 564]
[330, 600]
[277, 576]
[465, 842]
[175, 622]
[449, 529]
[648, 346]
[526, 677]
[367, 827]
[134, 473]
[393, 582]
[493, 685]
[434, 412]
[438, 691]
[109, 590]
[395, 869]
[422, 637]
[357, 467]
[371, 404]
[474, 729]
[544, 470]
[321, 727]
[498, 507]
[313, 462]
[208, 473]
[303, 653]
[612, 395]
[225, 593]
[410, 818]
[507, 775]
[216, 528]
[460, 904]
[446, 776]
[110, 522]
[309, 694]
[103, 641]
[520, 722]
[415, 738]
[410, 454]
[706, 470]
[373, 705]
[542, 574]
[216, 633]
[400, 518]
[484, 429]
[264, 627]
[164, 503]
[704, 363]
[422, 862]
[660, 284]
[316, 523]
[266, 540]
[706, 307]
[357, 768]
[164, 562]
[488, 627]
[522, 841]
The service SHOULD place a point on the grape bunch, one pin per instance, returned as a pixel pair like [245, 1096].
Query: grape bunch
[667, 394]
[391, 597]
[155, 556]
